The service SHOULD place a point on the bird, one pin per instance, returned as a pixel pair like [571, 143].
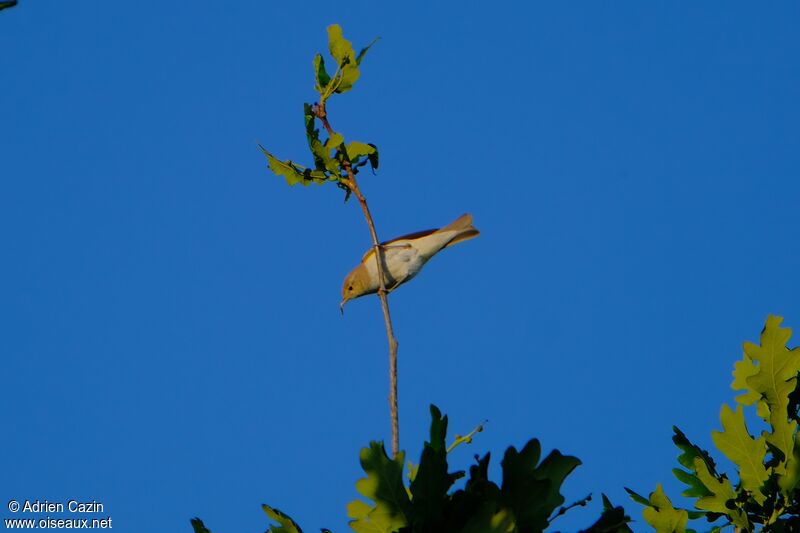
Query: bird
[403, 258]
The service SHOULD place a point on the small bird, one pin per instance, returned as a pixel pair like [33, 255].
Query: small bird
[403, 258]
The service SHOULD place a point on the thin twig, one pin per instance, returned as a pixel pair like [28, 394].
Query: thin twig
[563, 510]
[380, 261]
[466, 439]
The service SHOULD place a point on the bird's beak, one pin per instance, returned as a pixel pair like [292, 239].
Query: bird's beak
[341, 305]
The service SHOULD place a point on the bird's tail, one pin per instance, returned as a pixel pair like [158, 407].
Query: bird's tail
[463, 228]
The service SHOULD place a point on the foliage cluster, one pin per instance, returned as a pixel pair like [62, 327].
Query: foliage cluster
[527, 500]
[767, 493]
[333, 158]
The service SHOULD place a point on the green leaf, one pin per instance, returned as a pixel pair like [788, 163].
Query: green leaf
[612, 520]
[373, 159]
[432, 480]
[288, 170]
[359, 512]
[721, 494]
[775, 381]
[790, 479]
[285, 524]
[477, 507]
[293, 173]
[334, 141]
[12, 3]
[333, 144]
[364, 50]
[520, 490]
[488, 519]
[690, 453]
[438, 431]
[742, 371]
[638, 498]
[531, 491]
[745, 451]
[555, 468]
[479, 483]
[777, 365]
[695, 488]
[662, 515]
[342, 51]
[384, 486]
[412, 471]
[321, 75]
[480, 495]
[348, 78]
[197, 524]
[357, 149]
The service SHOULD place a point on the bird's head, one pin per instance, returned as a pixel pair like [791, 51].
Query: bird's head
[355, 284]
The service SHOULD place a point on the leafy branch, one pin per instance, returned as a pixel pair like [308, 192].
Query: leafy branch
[527, 499]
[466, 439]
[767, 494]
[339, 162]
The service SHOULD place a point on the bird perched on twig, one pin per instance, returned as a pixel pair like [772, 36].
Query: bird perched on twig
[403, 258]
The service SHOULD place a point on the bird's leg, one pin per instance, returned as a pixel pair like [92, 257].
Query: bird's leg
[393, 287]
[388, 246]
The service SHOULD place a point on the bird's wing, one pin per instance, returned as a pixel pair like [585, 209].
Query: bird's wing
[405, 254]
[412, 236]
[409, 237]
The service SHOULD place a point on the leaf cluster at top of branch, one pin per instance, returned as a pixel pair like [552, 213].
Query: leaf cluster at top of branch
[332, 156]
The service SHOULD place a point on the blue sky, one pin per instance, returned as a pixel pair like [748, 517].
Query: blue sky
[171, 341]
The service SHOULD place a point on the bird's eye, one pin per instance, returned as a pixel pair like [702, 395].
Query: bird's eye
[350, 288]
